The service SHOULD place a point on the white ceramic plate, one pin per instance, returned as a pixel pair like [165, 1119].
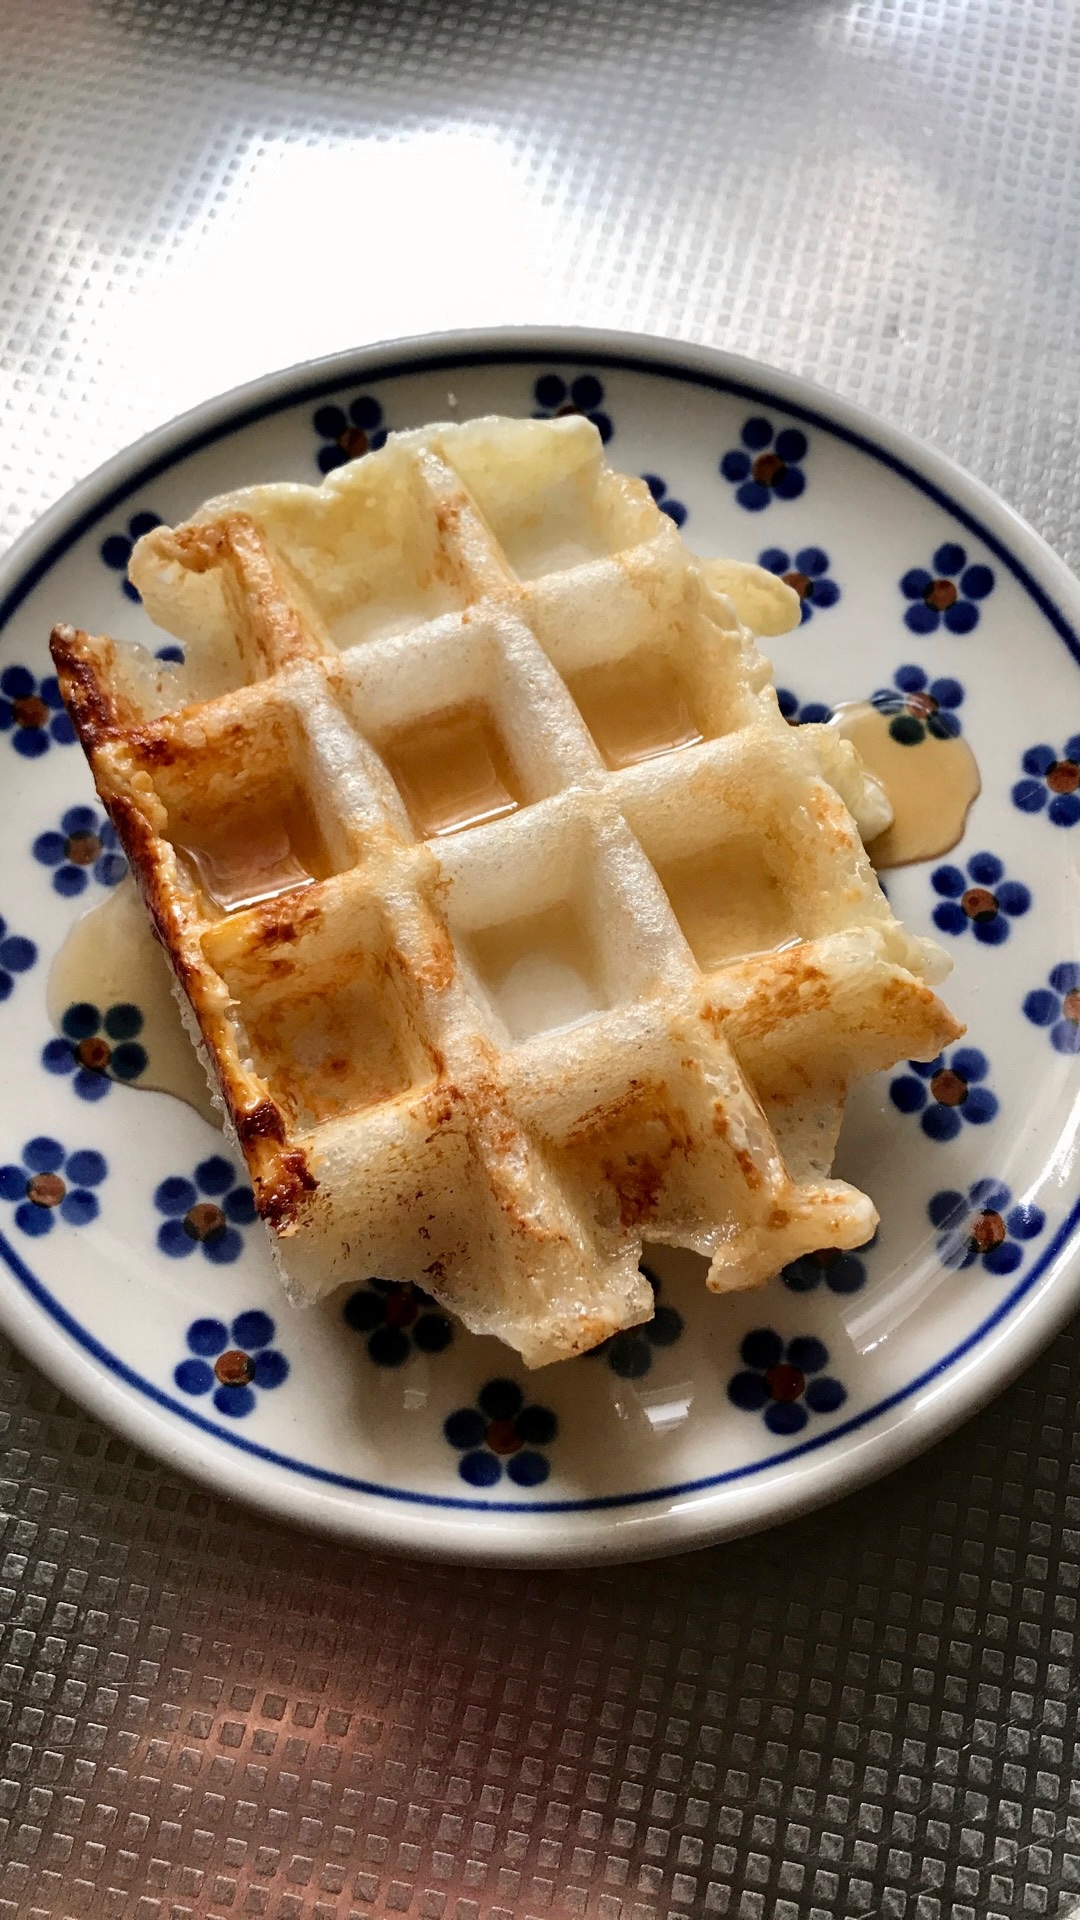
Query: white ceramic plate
[372, 1416]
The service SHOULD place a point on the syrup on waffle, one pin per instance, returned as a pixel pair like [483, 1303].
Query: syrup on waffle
[511, 920]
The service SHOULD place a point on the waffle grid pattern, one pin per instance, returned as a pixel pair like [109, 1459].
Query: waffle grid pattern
[697, 1105]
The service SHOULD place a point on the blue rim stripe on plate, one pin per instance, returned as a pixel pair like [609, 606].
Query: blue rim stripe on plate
[644, 1497]
[394, 369]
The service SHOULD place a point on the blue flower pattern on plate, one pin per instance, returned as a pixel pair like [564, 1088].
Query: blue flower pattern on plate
[630, 1354]
[84, 845]
[208, 1210]
[920, 706]
[555, 397]
[981, 1225]
[797, 714]
[840, 1272]
[17, 955]
[1057, 1006]
[953, 593]
[1053, 778]
[674, 509]
[768, 465]
[807, 572]
[347, 431]
[947, 1091]
[117, 548]
[97, 1046]
[51, 1183]
[784, 1381]
[32, 712]
[978, 896]
[500, 1433]
[398, 1319]
[236, 1372]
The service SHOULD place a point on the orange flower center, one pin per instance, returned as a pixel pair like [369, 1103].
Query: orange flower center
[949, 1088]
[784, 1382]
[46, 1189]
[234, 1369]
[30, 711]
[353, 441]
[1070, 1006]
[979, 904]
[801, 582]
[941, 594]
[82, 848]
[767, 469]
[987, 1231]
[94, 1053]
[502, 1436]
[204, 1221]
[1063, 776]
[401, 1308]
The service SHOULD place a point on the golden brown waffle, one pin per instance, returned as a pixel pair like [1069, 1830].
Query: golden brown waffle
[628, 1000]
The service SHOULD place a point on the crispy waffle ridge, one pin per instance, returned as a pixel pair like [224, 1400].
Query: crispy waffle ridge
[490, 1061]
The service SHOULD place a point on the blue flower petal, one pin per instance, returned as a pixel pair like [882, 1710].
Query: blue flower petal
[43, 1154]
[175, 1195]
[753, 496]
[252, 1329]
[271, 1368]
[34, 1220]
[940, 1123]
[221, 1249]
[980, 1106]
[748, 1392]
[948, 881]
[757, 433]
[1026, 1222]
[465, 1428]
[735, 466]
[807, 1353]
[208, 1337]
[762, 1348]
[977, 582]
[1064, 809]
[214, 1175]
[825, 1395]
[1042, 1007]
[87, 1167]
[234, 1402]
[480, 1469]
[949, 558]
[970, 1063]
[947, 1208]
[527, 1469]
[908, 1094]
[1065, 978]
[1003, 1259]
[193, 1376]
[1029, 795]
[921, 619]
[786, 1417]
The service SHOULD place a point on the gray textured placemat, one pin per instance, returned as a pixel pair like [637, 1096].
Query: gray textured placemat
[872, 1713]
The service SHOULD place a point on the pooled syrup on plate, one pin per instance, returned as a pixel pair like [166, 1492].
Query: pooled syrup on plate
[930, 776]
[111, 960]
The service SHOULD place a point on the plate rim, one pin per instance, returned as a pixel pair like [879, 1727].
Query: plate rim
[643, 1526]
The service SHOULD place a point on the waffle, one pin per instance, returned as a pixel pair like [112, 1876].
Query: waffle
[512, 921]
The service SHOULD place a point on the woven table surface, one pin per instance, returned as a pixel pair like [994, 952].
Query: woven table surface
[868, 1714]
